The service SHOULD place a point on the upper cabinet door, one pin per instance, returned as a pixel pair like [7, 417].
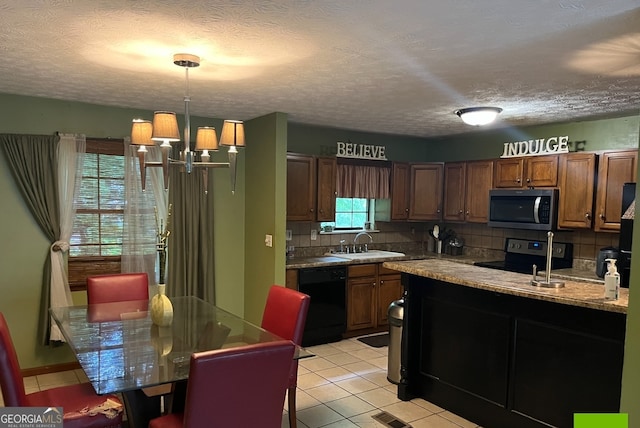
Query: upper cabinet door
[509, 172]
[425, 201]
[534, 171]
[301, 187]
[454, 191]
[479, 180]
[577, 179]
[541, 171]
[400, 191]
[615, 169]
[326, 198]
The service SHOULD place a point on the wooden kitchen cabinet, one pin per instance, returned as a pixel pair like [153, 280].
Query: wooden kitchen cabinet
[614, 169]
[425, 196]
[576, 184]
[389, 290]
[400, 191]
[311, 188]
[466, 191]
[361, 296]
[534, 171]
[326, 189]
[370, 290]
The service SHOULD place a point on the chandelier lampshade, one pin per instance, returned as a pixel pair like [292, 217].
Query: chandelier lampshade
[232, 133]
[206, 139]
[165, 127]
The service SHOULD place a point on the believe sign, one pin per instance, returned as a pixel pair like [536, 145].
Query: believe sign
[541, 146]
[360, 151]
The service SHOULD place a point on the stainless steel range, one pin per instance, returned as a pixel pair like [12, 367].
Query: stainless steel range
[522, 254]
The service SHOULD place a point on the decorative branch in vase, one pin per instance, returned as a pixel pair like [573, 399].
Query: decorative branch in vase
[161, 307]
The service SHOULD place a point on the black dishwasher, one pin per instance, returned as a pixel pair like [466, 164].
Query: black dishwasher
[327, 316]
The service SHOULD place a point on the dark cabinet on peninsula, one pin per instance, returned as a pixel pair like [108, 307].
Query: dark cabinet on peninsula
[506, 361]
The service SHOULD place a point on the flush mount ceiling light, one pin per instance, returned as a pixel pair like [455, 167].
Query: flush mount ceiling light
[478, 116]
[164, 130]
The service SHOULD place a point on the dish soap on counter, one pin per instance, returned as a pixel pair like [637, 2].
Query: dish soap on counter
[611, 281]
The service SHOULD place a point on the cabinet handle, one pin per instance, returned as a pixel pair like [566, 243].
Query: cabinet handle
[310, 209]
[518, 180]
[467, 212]
[587, 216]
[528, 180]
[460, 212]
[406, 210]
[601, 216]
[381, 281]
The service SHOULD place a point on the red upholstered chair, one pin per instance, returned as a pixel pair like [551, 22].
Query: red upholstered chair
[235, 387]
[285, 314]
[117, 287]
[74, 399]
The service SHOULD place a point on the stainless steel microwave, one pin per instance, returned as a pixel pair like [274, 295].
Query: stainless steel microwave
[533, 209]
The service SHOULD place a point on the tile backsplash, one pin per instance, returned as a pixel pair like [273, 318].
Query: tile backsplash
[479, 239]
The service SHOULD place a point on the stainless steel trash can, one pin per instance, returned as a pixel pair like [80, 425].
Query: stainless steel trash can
[395, 315]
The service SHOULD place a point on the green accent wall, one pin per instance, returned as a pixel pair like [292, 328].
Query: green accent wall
[319, 140]
[266, 210]
[603, 134]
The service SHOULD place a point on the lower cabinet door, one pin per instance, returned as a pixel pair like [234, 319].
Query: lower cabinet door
[361, 310]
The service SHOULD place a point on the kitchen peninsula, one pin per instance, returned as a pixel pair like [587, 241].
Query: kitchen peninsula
[487, 345]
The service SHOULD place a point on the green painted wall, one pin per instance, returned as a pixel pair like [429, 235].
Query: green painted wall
[318, 140]
[266, 203]
[615, 133]
[21, 260]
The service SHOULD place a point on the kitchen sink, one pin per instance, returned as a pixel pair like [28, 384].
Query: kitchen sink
[371, 254]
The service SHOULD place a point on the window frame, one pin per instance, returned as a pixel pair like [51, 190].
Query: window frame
[80, 267]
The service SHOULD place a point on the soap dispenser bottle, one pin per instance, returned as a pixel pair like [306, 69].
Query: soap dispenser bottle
[611, 281]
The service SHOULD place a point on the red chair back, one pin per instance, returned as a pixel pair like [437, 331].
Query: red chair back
[11, 381]
[285, 313]
[241, 387]
[117, 287]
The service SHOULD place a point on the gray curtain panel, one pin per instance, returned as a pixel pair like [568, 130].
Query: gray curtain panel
[191, 256]
[32, 160]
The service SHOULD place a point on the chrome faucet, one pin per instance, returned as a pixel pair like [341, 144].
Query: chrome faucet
[365, 248]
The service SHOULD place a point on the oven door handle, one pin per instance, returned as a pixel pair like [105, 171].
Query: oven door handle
[536, 209]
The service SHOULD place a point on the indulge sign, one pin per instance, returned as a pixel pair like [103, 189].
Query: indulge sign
[360, 151]
[541, 146]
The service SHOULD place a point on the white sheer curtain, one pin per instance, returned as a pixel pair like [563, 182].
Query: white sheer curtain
[71, 150]
[141, 210]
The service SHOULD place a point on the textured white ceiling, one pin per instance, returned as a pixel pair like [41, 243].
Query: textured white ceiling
[387, 66]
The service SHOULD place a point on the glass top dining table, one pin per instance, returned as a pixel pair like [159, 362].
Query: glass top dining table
[120, 349]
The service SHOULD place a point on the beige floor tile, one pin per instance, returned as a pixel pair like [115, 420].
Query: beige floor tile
[302, 370]
[365, 420]
[303, 401]
[343, 358]
[458, 420]
[316, 363]
[350, 406]
[379, 378]
[367, 354]
[336, 374]
[323, 350]
[52, 380]
[329, 392]
[427, 405]
[285, 422]
[381, 362]
[433, 421]
[318, 416]
[345, 423]
[379, 397]
[310, 380]
[356, 385]
[407, 411]
[349, 345]
[361, 367]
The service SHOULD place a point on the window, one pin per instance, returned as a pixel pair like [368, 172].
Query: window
[351, 213]
[96, 241]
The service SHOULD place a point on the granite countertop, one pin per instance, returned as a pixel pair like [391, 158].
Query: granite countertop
[588, 294]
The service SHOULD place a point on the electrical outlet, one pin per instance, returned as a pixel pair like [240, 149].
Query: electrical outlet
[268, 240]
[314, 234]
[289, 235]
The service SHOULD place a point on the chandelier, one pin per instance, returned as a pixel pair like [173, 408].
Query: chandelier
[164, 130]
